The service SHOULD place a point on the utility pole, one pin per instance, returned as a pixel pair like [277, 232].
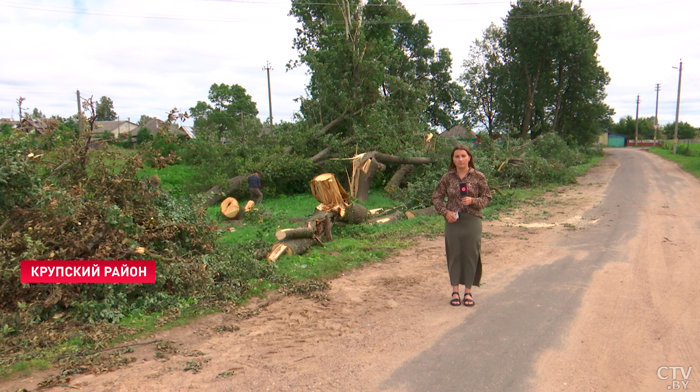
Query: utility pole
[80, 114]
[656, 116]
[268, 68]
[678, 108]
[636, 124]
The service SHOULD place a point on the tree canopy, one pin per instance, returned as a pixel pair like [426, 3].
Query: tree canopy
[226, 114]
[539, 73]
[104, 110]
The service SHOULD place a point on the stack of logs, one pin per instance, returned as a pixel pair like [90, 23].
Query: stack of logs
[316, 229]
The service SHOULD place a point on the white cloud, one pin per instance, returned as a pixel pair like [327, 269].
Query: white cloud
[150, 57]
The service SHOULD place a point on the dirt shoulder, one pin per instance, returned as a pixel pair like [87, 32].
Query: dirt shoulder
[376, 318]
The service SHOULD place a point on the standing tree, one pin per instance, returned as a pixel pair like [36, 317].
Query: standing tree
[479, 80]
[685, 130]
[230, 113]
[37, 114]
[551, 79]
[144, 119]
[376, 81]
[105, 110]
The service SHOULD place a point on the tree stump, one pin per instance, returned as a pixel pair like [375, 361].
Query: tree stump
[230, 208]
[327, 190]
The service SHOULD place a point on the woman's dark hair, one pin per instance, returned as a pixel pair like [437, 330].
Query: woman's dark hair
[464, 148]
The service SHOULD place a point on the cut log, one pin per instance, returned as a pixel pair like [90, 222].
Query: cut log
[299, 232]
[327, 190]
[230, 208]
[278, 249]
[421, 212]
[375, 211]
[387, 219]
[290, 247]
[249, 206]
[216, 194]
[355, 213]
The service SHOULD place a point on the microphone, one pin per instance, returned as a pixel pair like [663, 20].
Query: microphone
[463, 189]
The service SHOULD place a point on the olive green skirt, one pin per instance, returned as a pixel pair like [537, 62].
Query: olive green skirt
[463, 246]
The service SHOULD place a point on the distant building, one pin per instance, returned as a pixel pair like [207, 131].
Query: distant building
[116, 128]
[459, 132]
[188, 130]
[39, 125]
[155, 125]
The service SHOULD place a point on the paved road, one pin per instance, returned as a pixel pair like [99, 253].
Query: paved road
[497, 348]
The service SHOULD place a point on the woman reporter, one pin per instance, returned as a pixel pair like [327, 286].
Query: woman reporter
[462, 213]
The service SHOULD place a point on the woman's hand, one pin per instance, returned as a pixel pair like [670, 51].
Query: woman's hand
[451, 216]
[466, 200]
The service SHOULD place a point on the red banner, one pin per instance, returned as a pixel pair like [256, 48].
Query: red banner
[89, 271]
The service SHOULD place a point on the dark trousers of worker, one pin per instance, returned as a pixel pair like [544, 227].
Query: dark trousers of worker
[256, 195]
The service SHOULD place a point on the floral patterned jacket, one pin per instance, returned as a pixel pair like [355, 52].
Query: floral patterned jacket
[477, 188]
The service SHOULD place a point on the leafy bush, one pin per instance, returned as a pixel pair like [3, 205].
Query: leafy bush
[76, 204]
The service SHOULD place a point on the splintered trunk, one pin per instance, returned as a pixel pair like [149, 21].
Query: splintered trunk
[327, 190]
[363, 178]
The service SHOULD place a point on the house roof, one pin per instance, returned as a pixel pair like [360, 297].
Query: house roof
[14, 124]
[38, 125]
[459, 132]
[155, 124]
[188, 130]
[101, 126]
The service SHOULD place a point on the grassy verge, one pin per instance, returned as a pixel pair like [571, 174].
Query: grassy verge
[687, 156]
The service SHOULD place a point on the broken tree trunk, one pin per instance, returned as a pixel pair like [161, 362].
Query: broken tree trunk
[215, 194]
[299, 232]
[327, 190]
[290, 247]
[362, 174]
[396, 179]
[421, 212]
[387, 218]
[230, 208]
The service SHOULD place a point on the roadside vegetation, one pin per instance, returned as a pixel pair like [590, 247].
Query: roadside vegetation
[687, 156]
[374, 87]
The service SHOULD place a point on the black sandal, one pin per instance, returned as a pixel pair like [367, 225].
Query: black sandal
[468, 301]
[455, 301]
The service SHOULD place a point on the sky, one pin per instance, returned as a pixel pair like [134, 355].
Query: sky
[150, 56]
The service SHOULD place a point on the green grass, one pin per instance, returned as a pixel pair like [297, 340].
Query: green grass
[687, 156]
[355, 245]
[24, 368]
[175, 179]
